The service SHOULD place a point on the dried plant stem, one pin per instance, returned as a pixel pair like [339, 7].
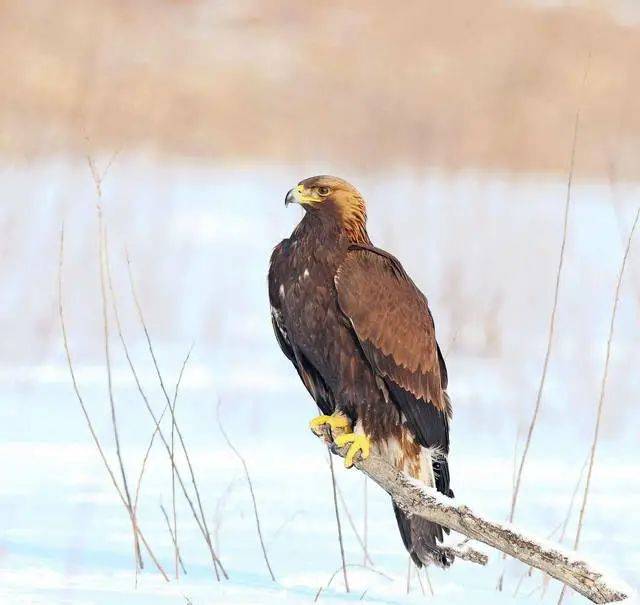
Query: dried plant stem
[339, 525]
[409, 562]
[220, 504]
[356, 565]
[201, 519]
[365, 531]
[85, 412]
[603, 390]
[250, 484]
[551, 332]
[173, 539]
[367, 558]
[102, 236]
[426, 575]
[202, 527]
[173, 472]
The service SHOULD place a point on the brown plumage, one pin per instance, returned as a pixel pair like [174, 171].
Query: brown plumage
[361, 336]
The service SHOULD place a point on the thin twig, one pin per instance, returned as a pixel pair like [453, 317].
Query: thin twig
[173, 472]
[201, 519]
[603, 390]
[365, 530]
[552, 325]
[426, 575]
[367, 558]
[409, 562]
[173, 539]
[85, 412]
[357, 565]
[420, 581]
[134, 372]
[253, 495]
[284, 524]
[220, 504]
[335, 505]
[102, 237]
[561, 528]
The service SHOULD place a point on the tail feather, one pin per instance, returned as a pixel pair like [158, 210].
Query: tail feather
[420, 538]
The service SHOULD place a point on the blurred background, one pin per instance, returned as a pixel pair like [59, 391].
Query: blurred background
[455, 120]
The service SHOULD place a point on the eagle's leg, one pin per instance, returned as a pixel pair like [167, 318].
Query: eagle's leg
[338, 422]
[360, 443]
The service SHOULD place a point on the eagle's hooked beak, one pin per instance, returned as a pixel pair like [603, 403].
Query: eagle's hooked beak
[298, 195]
[290, 198]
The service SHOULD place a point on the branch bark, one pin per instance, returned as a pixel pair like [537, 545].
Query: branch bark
[414, 498]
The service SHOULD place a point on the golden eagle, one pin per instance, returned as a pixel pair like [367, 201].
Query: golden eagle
[361, 336]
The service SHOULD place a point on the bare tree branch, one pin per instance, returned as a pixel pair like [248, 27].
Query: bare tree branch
[414, 498]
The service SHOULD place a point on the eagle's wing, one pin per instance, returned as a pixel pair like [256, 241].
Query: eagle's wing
[393, 324]
[310, 377]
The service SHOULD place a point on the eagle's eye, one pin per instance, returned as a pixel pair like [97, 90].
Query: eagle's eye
[324, 191]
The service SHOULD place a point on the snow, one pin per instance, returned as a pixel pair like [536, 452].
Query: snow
[483, 247]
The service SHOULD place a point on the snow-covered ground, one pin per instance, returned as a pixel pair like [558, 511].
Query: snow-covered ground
[483, 247]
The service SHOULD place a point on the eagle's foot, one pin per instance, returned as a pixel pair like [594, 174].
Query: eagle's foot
[359, 444]
[338, 423]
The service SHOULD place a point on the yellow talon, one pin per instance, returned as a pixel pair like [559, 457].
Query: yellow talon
[337, 421]
[359, 443]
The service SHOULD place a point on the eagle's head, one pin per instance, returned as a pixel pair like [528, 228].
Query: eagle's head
[330, 194]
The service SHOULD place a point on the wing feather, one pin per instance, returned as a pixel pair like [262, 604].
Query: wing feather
[393, 324]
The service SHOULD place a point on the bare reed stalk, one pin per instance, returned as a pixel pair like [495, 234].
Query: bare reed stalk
[116, 314]
[97, 179]
[367, 558]
[250, 484]
[420, 582]
[409, 574]
[284, 524]
[173, 472]
[426, 575]
[102, 236]
[356, 565]
[220, 504]
[147, 453]
[158, 430]
[201, 519]
[335, 506]
[365, 530]
[173, 539]
[603, 390]
[85, 412]
[562, 528]
[552, 325]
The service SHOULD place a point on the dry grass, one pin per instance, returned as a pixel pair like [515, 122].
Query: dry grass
[251, 490]
[603, 390]
[491, 84]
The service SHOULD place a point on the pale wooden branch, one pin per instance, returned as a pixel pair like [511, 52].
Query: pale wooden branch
[414, 498]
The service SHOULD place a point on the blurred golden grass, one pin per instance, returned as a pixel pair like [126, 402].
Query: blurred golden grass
[491, 84]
